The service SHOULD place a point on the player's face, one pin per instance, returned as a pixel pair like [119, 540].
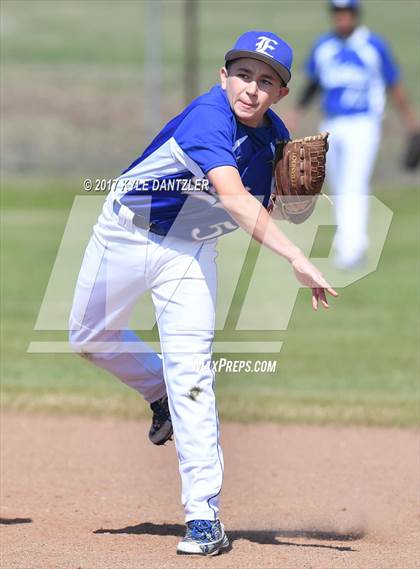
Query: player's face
[345, 21]
[251, 87]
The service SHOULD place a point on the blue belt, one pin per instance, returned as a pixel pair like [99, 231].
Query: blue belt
[140, 221]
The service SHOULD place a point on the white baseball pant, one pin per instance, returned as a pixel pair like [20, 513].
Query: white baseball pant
[354, 143]
[121, 262]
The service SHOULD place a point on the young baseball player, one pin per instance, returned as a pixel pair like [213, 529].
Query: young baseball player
[207, 172]
[353, 68]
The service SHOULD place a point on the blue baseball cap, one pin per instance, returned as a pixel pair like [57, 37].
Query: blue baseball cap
[345, 4]
[266, 47]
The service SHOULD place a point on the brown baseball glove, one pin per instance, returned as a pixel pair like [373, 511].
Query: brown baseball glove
[299, 172]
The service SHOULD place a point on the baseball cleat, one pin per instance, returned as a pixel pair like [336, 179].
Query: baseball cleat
[161, 429]
[203, 537]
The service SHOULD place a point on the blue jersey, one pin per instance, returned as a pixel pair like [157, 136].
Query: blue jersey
[167, 184]
[353, 72]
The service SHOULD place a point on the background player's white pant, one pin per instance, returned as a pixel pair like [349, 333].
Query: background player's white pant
[354, 143]
[120, 263]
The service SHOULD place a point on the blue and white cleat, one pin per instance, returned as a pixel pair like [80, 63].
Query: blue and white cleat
[203, 537]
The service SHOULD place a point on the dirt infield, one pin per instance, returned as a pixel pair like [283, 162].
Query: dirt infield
[95, 494]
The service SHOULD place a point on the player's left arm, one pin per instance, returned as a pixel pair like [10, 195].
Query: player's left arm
[400, 99]
[392, 76]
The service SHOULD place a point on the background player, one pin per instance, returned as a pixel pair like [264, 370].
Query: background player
[352, 67]
[149, 238]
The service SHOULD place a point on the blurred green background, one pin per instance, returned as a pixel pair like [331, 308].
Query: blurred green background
[73, 92]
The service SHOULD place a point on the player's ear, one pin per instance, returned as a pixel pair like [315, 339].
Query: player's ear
[283, 92]
[223, 77]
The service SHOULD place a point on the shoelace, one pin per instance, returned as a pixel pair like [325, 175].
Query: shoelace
[200, 529]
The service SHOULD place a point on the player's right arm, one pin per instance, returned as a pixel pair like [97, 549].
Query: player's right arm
[255, 220]
[308, 92]
[307, 95]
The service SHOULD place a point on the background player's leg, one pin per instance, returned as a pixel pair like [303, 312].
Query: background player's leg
[184, 296]
[111, 279]
[359, 138]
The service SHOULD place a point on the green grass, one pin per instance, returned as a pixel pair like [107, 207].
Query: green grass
[356, 364]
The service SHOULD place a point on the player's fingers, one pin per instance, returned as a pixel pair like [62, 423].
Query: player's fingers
[331, 291]
[323, 298]
[315, 298]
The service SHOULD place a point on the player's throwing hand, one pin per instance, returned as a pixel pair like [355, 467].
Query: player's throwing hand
[308, 275]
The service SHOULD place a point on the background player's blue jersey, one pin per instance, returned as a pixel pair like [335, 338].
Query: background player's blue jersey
[353, 72]
[160, 184]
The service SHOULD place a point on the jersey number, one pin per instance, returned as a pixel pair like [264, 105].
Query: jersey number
[218, 230]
